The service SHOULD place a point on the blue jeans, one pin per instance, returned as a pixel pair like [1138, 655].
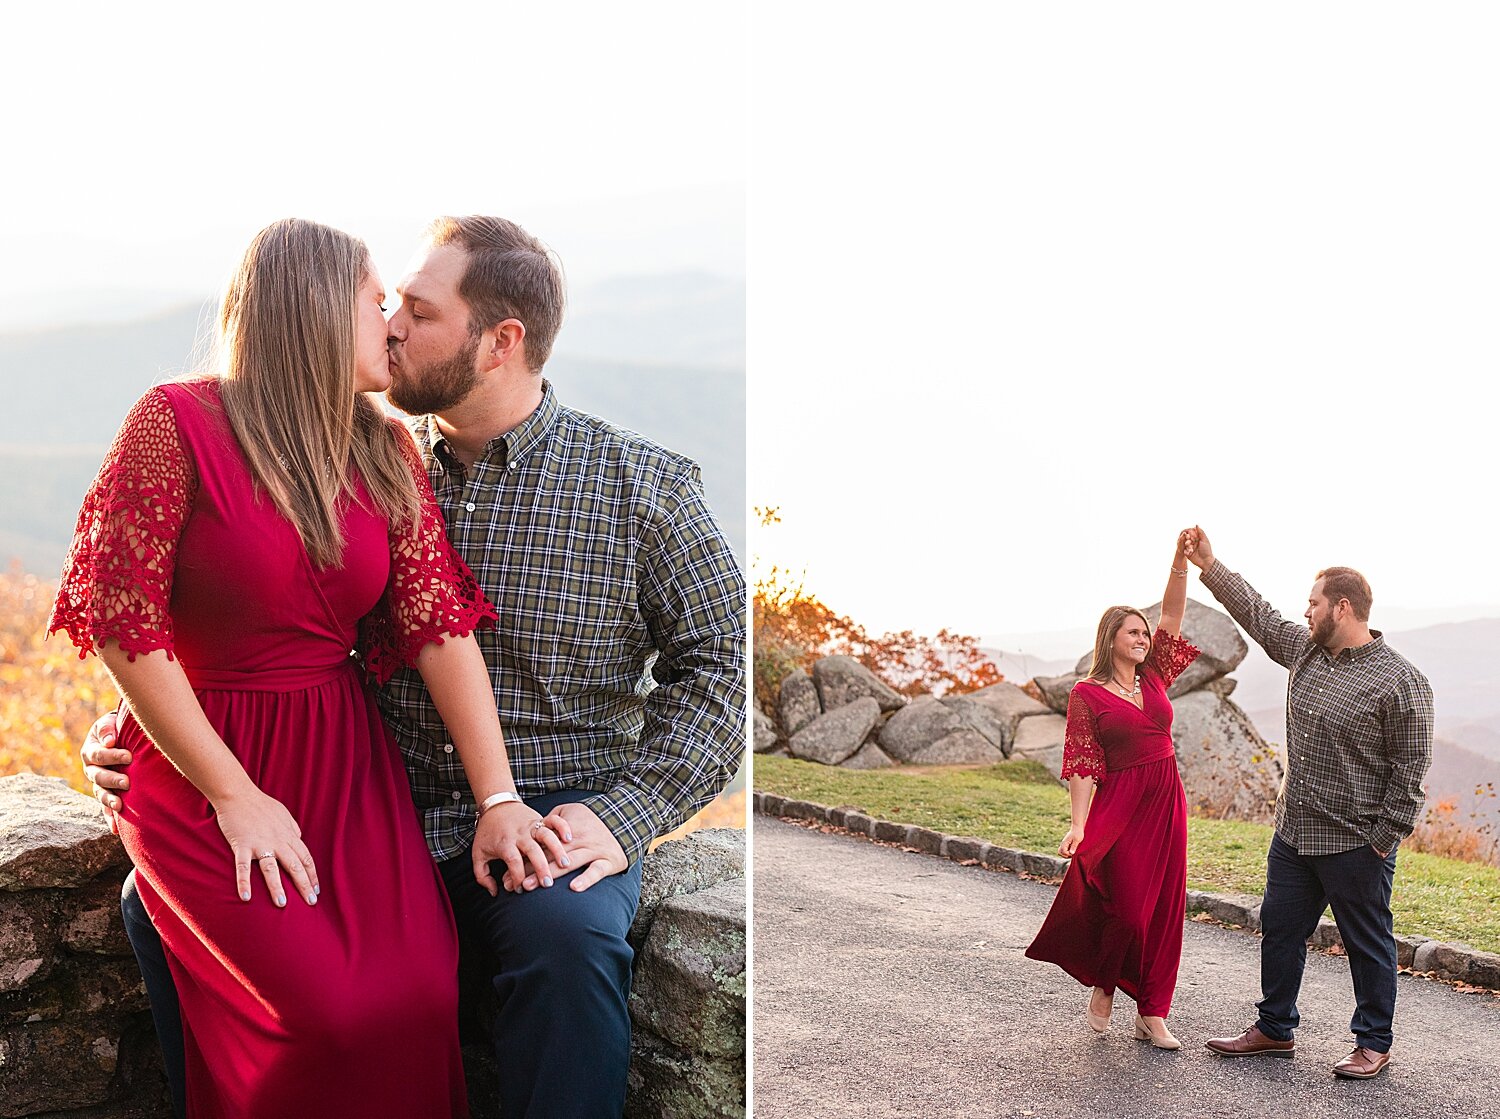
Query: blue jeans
[1357, 884]
[560, 967]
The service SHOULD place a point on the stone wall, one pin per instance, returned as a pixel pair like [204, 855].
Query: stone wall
[76, 1040]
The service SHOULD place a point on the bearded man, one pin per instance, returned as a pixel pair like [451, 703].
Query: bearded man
[1359, 722]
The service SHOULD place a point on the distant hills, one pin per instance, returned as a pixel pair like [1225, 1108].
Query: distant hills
[661, 355]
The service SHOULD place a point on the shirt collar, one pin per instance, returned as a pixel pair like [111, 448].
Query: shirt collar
[513, 446]
[1363, 652]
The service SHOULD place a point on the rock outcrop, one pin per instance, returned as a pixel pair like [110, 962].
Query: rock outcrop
[834, 737]
[76, 1033]
[841, 680]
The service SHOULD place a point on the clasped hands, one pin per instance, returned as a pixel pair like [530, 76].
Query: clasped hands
[1193, 544]
[567, 838]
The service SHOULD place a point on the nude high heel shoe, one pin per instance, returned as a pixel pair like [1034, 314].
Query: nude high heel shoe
[1097, 1022]
[1163, 1041]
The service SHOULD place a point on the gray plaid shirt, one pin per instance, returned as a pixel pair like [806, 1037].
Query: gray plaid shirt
[1358, 728]
[602, 557]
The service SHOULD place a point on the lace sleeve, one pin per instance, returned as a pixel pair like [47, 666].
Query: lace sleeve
[1170, 656]
[116, 581]
[1082, 754]
[431, 592]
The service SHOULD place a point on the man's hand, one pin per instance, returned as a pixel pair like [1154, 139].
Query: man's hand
[514, 834]
[98, 753]
[586, 842]
[1199, 550]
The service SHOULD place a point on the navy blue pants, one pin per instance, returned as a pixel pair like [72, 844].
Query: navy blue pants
[561, 974]
[1357, 885]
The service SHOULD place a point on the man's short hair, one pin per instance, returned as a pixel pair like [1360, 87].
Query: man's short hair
[1345, 582]
[509, 275]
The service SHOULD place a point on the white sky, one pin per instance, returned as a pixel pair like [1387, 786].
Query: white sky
[144, 144]
[1028, 295]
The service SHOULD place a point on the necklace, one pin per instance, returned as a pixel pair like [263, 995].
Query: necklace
[1135, 689]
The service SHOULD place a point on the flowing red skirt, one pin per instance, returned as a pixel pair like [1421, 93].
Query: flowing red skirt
[347, 1008]
[1117, 919]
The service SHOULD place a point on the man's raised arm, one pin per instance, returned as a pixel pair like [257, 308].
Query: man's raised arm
[1282, 640]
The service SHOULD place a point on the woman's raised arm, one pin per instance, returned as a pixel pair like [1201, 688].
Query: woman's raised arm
[1174, 601]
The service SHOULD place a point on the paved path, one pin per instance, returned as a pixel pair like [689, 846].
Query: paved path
[893, 984]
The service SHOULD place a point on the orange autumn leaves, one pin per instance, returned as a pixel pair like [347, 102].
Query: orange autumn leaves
[48, 697]
[792, 629]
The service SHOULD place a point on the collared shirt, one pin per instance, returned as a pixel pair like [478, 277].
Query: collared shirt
[618, 660]
[1358, 729]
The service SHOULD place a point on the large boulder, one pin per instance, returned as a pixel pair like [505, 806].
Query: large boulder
[1228, 770]
[928, 731]
[1040, 738]
[1212, 631]
[765, 732]
[1056, 689]
[996, 712]
[797, 702]
[963, 747]
[835, 736]
[841, 680]
[869, 756]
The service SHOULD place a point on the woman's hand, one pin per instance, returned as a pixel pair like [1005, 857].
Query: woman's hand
[515, 835]
[261, 832]
[1186, 541]
[1070, 842]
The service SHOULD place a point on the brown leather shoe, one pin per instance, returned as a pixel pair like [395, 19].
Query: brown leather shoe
[1252, 1043]
[1362, 1064]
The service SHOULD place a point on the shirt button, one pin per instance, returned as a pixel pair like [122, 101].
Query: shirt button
[469, 505]
[447, 747]
[457, 795]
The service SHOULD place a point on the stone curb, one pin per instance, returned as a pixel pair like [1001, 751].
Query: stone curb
[1457, 963]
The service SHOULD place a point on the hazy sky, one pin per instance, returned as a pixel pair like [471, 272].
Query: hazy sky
[146, 143]
[1027, 298]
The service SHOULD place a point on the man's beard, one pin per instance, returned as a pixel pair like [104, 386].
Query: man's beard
[1322, 633]
[439, 386]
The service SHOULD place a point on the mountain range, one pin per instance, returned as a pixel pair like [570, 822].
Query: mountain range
[662, 355]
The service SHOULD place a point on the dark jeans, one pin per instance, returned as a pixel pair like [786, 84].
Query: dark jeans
[1357, 884]
[561, 974]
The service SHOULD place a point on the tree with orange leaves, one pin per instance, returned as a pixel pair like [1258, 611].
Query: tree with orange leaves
[793, 628]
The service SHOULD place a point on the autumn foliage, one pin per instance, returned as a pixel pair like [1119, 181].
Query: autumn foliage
[792, 629]
[1445, 830]
[48, 697]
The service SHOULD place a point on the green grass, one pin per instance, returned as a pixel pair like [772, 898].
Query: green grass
[1019, 804]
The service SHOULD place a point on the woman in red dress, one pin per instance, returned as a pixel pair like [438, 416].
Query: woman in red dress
[245, 534]
[1117, 919]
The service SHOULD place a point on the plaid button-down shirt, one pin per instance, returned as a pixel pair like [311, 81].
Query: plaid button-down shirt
[609, 572]
[1358, 729]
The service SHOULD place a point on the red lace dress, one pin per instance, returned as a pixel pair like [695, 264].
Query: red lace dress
[1117, 919]
[348, 1007]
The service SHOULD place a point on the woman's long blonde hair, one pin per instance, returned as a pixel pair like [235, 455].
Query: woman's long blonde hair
[286, 355]
[1103, 668]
